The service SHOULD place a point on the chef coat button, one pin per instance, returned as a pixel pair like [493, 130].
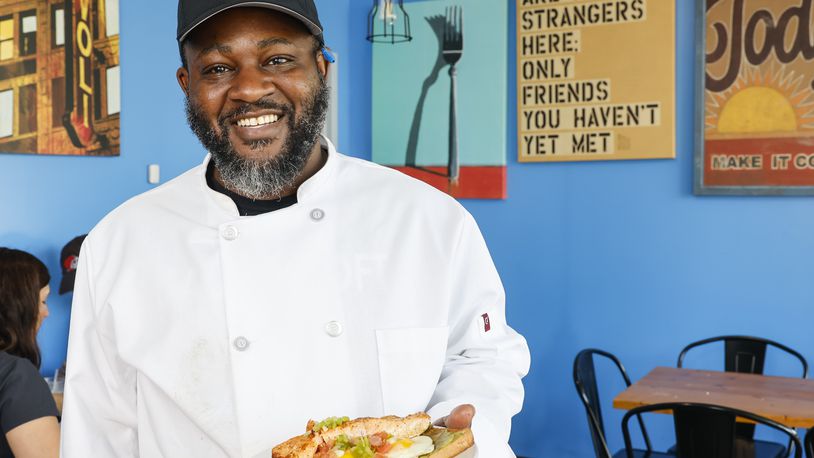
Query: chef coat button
[317, 214]
[241, 343]
[230, 233]
[333, 328]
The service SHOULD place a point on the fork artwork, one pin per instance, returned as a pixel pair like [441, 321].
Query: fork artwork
[453, 49]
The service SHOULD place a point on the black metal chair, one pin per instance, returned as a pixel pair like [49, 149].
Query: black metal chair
[708, 431]
[747, 354]
[809, 443]
[585, 382]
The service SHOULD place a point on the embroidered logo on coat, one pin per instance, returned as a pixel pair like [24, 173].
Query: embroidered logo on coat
[487, 325]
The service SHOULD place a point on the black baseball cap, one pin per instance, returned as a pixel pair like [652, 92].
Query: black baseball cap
[68, 260]
[192, 13]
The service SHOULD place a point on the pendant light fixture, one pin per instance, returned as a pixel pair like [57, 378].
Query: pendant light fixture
[388, 22]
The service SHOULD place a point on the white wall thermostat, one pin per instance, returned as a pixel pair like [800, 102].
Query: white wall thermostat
[153, 174]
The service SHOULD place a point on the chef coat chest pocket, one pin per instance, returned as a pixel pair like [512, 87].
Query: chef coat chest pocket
[410, 364]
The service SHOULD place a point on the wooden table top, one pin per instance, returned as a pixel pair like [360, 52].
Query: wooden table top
[789, 401]
[58, 400]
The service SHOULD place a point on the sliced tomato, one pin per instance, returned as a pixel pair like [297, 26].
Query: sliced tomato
[384, 448]
[379, 442]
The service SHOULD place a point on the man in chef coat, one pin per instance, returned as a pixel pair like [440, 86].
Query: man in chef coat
[279, 281]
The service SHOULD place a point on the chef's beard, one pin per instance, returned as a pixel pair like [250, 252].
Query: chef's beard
[264, 178]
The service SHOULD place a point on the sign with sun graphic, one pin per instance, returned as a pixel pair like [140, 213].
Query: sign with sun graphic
[757, 127]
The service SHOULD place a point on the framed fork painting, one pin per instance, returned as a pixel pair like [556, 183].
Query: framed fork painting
[755, 97]
[440, 100]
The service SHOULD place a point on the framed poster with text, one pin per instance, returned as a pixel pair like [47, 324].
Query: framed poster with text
[595, 80]
[755, 95]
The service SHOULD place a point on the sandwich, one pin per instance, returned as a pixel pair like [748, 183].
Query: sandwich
[412, 436]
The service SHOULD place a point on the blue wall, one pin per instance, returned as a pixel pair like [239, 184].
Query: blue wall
[615, 255]
[622, 256]
[47, 200]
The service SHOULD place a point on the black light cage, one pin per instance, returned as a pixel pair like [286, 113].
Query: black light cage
[382, 30]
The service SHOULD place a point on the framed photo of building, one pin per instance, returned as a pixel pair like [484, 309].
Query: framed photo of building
[59, 77]
[755, 96]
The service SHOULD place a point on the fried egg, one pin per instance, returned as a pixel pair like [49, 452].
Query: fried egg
[411, 448]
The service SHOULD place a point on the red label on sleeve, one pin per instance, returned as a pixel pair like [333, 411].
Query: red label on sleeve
[487, 326]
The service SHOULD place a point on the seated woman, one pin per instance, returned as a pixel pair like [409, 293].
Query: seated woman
[28, 414]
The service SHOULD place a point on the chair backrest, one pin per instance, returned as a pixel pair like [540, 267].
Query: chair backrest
[585, 383]
[706, 430]
[745, 354]
[810, 443]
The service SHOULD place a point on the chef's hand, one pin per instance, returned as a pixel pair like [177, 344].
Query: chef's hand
[459, 418]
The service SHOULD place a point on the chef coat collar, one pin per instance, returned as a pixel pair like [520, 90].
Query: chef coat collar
[312, 187]
[307, 192]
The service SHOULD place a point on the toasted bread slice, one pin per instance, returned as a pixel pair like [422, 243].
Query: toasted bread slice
[306, 445]
[406, 427]
[450, 442]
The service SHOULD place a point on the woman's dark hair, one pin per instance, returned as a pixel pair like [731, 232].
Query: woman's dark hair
[22, 276]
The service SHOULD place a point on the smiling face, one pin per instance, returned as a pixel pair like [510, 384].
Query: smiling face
[256, 98]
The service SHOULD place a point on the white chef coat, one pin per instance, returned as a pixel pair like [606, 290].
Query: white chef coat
[196, 332]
